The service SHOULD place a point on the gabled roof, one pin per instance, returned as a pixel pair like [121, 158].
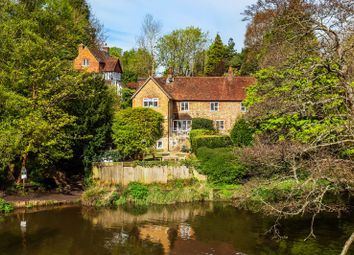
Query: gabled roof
[206, 88]
[154, 80]
[110, 64]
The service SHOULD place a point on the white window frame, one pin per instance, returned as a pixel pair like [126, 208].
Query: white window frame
[182, 125]
[159, 144]
[151, 102]
[242, 107]
[184, 106]
[85, 62]
[214, 106]
[217, 124]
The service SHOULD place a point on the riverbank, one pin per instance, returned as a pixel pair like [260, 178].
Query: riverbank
[39, 199]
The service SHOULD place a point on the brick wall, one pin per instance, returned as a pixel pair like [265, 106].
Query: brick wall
[228, 111]
[151, 90]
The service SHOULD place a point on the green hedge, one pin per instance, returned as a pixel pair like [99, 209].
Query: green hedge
[210, 141]
[221, 165]
[242, 133]
[201, 123]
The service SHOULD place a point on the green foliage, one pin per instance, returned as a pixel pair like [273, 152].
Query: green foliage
[126, 98]
[5, 207]
[202, 123]
[242, 133]
[278, 92]
[136, 191]
[99, 197]
[183, 50]
[136, 63]
[220, 165]
[136, 129]
[116, 52]
[49, 114]
[215, 63]
[129, 76]
[210, 141]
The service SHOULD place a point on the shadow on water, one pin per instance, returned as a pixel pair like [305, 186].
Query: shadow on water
[203, 228]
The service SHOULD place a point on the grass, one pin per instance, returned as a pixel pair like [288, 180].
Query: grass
[5, 207]
[176, 191]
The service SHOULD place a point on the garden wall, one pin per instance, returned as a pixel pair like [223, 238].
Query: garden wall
[118, 173]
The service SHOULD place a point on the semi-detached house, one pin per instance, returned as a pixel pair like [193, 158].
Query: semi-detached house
[180, 99]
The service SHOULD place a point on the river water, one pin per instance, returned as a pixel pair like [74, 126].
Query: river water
[180, 229]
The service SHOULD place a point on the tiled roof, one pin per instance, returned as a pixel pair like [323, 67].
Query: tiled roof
[110, 64]
[135, 85]
[207, 88]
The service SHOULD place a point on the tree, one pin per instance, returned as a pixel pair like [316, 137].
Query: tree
[135, 130]
[138, 62]
[302, 106]
[183, 50]
[242, 133]
[150, 32]
[116, 52]
[216, 62]
[55, 112]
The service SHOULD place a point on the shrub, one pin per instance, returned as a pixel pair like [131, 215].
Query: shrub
[242, 133]
[137, 191]
[210, 141]
[5, 207]
[200, 123]
[220, 165]
[136, 129]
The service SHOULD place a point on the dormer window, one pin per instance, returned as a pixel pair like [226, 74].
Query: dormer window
[85, 62]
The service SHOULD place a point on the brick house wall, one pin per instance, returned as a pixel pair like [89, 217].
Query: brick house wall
[228, 112]
[152, 90]
[93, 67]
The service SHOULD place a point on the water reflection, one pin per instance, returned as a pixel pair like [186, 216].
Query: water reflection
[183, 229]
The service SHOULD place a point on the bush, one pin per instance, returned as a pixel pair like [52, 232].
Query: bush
[220, 165]
[135, 130]
[242, 133]
[137, 191]
[5, 207]
[200, 123]
[210, 141]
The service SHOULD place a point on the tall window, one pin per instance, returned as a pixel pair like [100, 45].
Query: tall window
[85, 62]
[220, 125]
[151, 102]
[184, 106]
[243, 108]
[214, 106]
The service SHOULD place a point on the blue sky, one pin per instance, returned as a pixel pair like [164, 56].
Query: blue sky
[122, 18]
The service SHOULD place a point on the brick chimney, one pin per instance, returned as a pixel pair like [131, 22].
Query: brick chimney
[230, 73]
[170, 77]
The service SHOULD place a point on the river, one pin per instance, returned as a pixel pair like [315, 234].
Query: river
[184, 229]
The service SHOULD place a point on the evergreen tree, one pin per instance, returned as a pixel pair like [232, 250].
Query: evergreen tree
[49, 113]
[215, 63]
